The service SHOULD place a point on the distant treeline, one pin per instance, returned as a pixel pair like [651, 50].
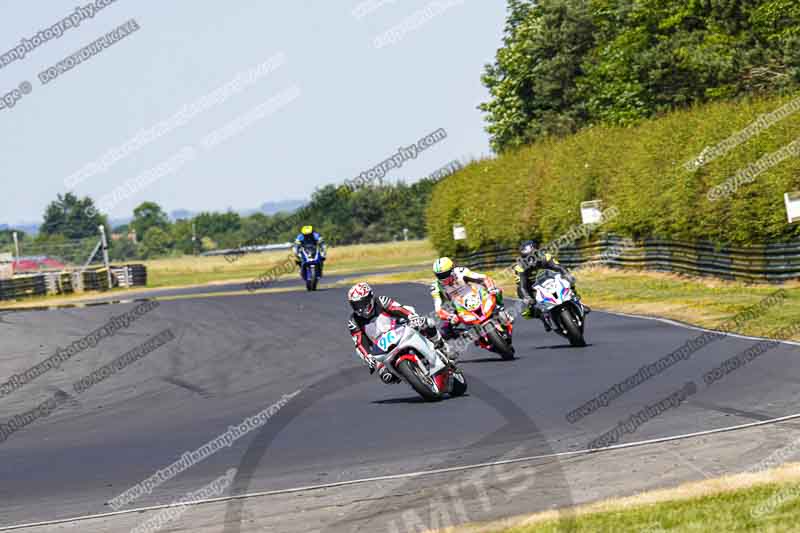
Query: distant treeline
[373, 213]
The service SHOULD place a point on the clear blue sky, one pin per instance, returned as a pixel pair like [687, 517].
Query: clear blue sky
[357, 102]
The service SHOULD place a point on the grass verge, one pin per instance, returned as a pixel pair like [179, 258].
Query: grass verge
[173, 272]
[763, 501]
[189, 271]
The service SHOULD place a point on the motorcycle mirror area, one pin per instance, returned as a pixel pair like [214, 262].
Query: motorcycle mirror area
[455, 492]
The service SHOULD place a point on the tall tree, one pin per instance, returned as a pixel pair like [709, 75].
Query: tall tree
[566, 64]
[149, 215]
[533, 80]
[72, 217]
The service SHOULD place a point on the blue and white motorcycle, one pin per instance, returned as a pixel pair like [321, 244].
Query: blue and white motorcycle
[560, 306]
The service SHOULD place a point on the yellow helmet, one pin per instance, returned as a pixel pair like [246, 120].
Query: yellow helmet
[443, 268]
[307, 230]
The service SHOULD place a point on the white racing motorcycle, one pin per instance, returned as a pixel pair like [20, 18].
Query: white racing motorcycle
[559, 304]
[410, 357]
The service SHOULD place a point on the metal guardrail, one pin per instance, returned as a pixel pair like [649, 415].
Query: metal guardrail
[255, 249]
[769, 262]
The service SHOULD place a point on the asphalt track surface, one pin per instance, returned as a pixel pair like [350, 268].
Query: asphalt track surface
[235, 355]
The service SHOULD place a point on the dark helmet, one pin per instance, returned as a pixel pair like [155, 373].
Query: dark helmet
[528, 249]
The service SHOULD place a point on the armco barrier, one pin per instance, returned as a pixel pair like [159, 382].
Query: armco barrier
[769, 262]
[68, 282]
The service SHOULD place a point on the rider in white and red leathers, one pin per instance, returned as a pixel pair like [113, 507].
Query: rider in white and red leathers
[367, 308]
[452, 280]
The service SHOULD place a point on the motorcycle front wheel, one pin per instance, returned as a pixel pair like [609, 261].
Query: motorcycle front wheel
[574, 333]
[501, 346]
[311, 282]
[418, 381]
[459, 384]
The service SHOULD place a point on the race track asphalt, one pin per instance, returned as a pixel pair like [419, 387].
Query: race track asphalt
[236, 355]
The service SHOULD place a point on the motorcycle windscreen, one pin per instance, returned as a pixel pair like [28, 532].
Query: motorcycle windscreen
[378, 327]
[310, 253]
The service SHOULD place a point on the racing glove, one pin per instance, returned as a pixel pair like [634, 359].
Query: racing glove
[371, 363]
[416, 321]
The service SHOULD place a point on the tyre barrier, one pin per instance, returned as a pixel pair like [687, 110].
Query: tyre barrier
[23, 286]
[768, 262]
[129, 276]
[55, 283]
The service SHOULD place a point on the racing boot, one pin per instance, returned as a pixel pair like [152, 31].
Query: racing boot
[438, 342]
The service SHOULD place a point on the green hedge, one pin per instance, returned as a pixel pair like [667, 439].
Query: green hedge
[536, 191]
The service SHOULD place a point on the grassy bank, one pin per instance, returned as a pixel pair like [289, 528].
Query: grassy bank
[764, 501]
[535, 192]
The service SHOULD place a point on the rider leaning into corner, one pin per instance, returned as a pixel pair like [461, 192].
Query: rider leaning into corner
[367, 309]
[451, 280]
[306, 236]
[532, 261]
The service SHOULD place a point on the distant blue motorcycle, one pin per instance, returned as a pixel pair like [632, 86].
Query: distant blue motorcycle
[310, 265]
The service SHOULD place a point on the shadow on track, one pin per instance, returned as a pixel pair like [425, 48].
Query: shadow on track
[518, 424]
